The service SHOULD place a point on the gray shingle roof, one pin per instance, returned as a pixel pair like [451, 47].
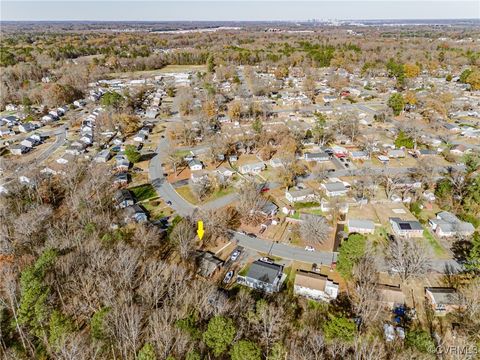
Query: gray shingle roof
[264, 272]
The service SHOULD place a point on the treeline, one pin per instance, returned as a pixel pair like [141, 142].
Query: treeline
[77, 283]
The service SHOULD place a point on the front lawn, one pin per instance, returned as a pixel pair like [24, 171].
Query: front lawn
[144, 192]
[186, 193]
[435, 245]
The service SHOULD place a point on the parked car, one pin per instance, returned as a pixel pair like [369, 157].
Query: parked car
[235, 255]
[228, 277]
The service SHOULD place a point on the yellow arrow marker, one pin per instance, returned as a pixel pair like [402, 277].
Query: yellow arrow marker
[200, 230]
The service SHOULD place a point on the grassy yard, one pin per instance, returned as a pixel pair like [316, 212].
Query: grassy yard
[157, 209]
[144, 192]
[434, 244]
[182, 153]
[186, 193]
[304, 205]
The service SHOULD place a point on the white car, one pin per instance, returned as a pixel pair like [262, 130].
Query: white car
[228, 277]
[309, 248]
[235, 255]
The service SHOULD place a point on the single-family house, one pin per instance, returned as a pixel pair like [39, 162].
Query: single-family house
[299, 195]
[460, 150]
[269, 209]
[140, 137]
[76, 148]
[396, 153]
[18, 149]
[233, 158]
[429, 196]
[207, 264]
[121, 164]
[135, 213]
[447, 224]
[47, 118]
[333, 189]
[54, 114]
[79, 103]
[255, 168]
[103, 156]
[198, 176]
[195, 165]
[6, 131]
[30, 142]
[264, 276]
[224, 172]
[121, 179]
[359, 155]
[326, 206]
[426, 152]
[276, 163]
[10, 120]
[406, 228]
[26, 127]
[315, 286]
[442, 299]
[316, 156]
[123, 198]
[87, 139]
[451, 127]
[361, 226]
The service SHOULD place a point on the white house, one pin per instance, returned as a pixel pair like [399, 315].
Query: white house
[317, 156]
[103, 156]
[223, 171]
[18, 149]
[359, 155]
[26, 127]
[335, 189]
[255, 168]
[406, 228]
[396, 153]
[299, 195]
[315, 286]
[195, 165]
[447, 224]
[140, 137]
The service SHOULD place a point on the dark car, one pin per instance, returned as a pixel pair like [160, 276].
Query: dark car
[169, 202]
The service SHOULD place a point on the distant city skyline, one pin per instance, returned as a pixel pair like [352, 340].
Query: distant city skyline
[234, 10]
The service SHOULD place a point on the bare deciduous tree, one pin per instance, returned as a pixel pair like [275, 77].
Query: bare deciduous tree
[250, 201]
[365, 296]
[183, 237]
[315, 229]
[409, 257]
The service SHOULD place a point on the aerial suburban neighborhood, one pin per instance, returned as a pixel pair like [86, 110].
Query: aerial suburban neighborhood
[243, 191]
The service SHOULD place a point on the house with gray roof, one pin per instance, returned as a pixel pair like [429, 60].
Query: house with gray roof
[442, 299]
[299, 195]
[207, 264]
[447, 224]
[255, 168]
[264, 276]
[396, 153]
[361, 226]
[335, 189]
[406, 228]
[316, 156]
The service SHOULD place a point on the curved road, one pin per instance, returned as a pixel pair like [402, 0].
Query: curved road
[166, 191]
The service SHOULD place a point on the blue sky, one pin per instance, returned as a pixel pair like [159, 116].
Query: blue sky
[236, 10]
